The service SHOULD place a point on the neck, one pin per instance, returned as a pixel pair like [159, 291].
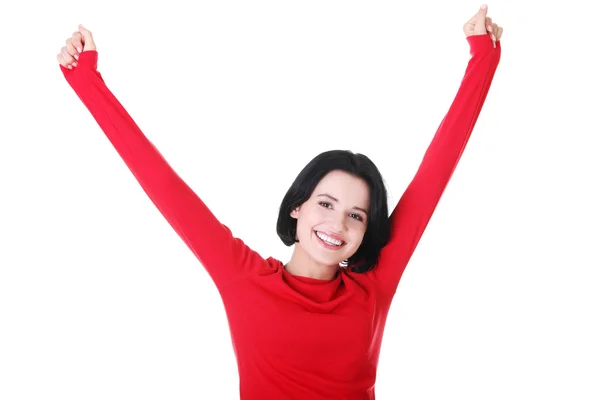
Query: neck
[302, 265]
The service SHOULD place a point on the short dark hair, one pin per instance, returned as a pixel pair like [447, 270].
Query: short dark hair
[377, 233]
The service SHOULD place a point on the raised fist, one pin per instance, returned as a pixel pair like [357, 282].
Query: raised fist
[480, 24]
[79, 42]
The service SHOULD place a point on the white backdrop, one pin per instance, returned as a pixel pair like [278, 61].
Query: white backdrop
[99, 298]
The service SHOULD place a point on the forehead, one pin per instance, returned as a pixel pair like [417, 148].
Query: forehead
[345, 187]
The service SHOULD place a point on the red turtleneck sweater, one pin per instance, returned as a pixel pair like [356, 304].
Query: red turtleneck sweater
[295, 337]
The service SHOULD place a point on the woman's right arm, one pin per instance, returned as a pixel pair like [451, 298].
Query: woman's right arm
[224, 257]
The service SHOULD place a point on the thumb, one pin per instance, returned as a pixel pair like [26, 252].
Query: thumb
[478, 20]
[88, 39]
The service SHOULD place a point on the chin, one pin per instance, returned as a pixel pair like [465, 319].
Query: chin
[332, 264]
[318, 257]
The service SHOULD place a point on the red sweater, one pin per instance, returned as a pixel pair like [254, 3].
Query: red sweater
[295, 337]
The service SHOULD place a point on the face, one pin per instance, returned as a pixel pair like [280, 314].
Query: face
[332, 222]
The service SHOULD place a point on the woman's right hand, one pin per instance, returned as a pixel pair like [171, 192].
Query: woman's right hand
[79, 42]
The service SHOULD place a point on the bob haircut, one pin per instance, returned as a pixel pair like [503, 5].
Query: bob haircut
[377, 233]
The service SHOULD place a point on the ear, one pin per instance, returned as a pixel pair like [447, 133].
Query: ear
[294, 213]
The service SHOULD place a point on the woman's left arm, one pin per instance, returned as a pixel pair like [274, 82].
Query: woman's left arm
[417, 204]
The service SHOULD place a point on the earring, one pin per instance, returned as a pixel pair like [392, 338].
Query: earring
[344, 263]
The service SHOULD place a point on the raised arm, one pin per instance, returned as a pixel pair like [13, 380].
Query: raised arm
[416, 206]
[224, 257]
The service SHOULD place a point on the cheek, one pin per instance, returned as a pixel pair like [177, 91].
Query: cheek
[314, 216]
[307, 220]
[358, 233]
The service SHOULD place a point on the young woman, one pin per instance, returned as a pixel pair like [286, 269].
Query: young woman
[311, 328]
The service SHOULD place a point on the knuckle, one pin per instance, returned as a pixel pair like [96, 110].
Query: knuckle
[71, 49]
[66, 54]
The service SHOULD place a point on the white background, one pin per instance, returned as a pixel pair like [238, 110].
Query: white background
[99, 298]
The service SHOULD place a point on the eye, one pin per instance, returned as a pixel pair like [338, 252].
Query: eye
[356, 216]
[325, 204]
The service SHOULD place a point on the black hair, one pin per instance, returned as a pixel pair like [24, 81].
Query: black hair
[377, 233]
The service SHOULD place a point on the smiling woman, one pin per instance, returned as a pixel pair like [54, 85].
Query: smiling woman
[307, 329]
[336, 210]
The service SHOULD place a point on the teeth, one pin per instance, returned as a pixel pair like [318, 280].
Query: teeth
[329, 239]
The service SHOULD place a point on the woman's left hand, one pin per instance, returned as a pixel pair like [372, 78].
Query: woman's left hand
[480, 24]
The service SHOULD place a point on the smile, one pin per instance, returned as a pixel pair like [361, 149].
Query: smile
[328, 241]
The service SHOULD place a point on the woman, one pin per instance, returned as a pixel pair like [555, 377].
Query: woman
[312, 328]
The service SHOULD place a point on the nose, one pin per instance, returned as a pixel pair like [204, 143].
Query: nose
[338, 223]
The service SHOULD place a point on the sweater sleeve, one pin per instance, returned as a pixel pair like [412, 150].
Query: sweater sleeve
[417, 204]
[223, 256]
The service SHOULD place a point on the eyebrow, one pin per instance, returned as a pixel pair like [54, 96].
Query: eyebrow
[336, 200]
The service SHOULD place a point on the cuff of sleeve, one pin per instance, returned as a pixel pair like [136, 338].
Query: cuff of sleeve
[481, 43]
[88, 60]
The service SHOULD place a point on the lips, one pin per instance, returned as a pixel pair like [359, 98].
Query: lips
[329, 245]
